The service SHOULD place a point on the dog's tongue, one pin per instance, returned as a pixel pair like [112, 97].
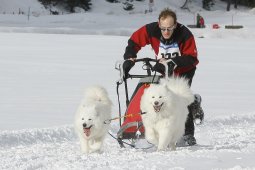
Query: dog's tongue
[157, 108]
[86, 131]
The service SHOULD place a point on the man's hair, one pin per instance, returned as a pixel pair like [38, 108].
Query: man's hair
[167, 12]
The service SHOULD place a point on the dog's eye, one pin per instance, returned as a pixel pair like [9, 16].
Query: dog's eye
[153, 97]
[89, 119]
[82, 118]
[160, 97]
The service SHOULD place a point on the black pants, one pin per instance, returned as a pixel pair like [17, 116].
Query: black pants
[189, 125]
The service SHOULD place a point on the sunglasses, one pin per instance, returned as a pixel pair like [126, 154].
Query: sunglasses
[168, 29]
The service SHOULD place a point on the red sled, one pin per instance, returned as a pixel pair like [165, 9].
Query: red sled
[132, 121]
[132, 127]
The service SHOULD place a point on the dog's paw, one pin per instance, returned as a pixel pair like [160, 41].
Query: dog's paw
[160, 149]
[172, 147]
[85, 151]
[96, 146]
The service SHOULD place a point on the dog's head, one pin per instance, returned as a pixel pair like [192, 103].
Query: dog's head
[156, 96]
[87, 119]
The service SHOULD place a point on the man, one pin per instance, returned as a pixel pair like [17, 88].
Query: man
[200, 21]
[170, 41]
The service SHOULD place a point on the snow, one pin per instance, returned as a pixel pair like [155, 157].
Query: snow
[46, 62]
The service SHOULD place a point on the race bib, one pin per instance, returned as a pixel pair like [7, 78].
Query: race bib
[168, 51]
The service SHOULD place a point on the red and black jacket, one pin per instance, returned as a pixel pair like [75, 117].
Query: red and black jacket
[151, 34]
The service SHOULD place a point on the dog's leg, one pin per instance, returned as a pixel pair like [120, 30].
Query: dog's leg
[164, 140]
[172, 146]
[96, 145]
[151, 136]
[84, 144]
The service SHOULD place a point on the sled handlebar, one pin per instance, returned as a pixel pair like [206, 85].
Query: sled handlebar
[146, 60]
[147, 65]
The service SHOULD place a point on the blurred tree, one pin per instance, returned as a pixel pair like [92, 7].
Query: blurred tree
[229, 4]
[68, 4]
[207, 4]
[185, 5]
[248, 3]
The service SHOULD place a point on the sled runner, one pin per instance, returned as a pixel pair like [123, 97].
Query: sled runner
[132, 127]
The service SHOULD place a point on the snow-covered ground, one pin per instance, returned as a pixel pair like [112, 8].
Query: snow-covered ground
[47, 61]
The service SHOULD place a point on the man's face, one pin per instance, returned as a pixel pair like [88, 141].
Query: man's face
[167, 26]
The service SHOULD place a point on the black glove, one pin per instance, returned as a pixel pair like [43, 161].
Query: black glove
[159, 67]
[171, 67]
[127, 65]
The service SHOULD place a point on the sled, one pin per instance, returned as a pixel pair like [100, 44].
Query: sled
[131, 128]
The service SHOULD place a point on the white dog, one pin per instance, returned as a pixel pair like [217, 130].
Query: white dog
[94, 109]
[165, 107]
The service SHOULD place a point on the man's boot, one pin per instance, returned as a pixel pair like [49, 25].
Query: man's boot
[188, 138]
[196, 110]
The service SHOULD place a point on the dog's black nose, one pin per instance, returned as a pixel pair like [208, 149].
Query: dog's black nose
[84, 125]
[156, 103]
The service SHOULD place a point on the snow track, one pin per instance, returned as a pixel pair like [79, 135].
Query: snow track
[234, 132]
[222, 142]
[36, 136]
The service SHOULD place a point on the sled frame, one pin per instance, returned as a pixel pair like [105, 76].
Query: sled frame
[144, 79]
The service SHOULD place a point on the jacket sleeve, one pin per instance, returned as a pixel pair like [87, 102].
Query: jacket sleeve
[188, 58]
[138, 40]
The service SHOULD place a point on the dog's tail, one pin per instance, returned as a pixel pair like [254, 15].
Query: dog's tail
[180, 86]
[97, 94]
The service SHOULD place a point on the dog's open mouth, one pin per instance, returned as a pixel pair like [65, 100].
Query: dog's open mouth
[157, 107]
[87, 131]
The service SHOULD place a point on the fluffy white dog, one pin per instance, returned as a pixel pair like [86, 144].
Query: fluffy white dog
[94, 109]
[165, 107]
